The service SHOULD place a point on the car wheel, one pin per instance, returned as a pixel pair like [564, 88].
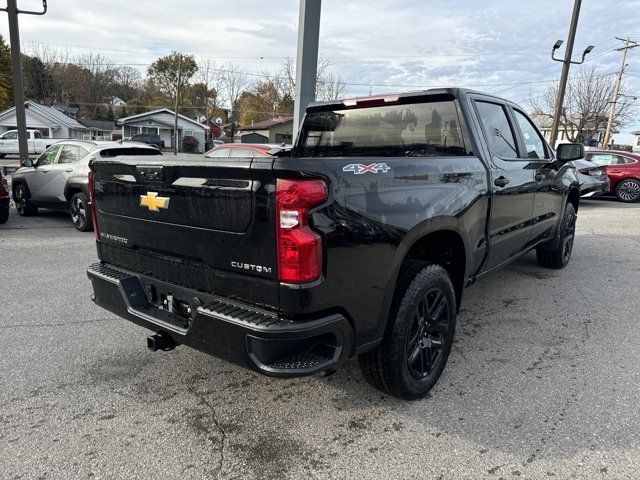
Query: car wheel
[414, 352]
[2, 155]
[558, 253]
[80, 214]
[4, 216]
[628, 190]
[21, 199]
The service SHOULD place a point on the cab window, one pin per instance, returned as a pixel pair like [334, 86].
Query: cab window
[48, 157]
[533, 142]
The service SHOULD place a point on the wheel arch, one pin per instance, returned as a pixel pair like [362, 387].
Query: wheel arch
[574, 197]
[442, 241]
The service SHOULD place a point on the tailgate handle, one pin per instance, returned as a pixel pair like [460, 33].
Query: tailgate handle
[153, 173]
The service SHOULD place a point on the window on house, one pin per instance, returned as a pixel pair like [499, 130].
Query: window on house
[188, 133]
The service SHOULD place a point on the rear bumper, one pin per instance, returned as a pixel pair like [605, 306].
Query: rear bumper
[594, 188]
[245, 335]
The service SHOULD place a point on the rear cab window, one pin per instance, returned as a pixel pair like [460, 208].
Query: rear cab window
[425, 127]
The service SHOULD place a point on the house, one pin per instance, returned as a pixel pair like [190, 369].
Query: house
[161, 122]
[275, 130]
[97, 129]
[50, 121]
[636, 142]
[543, 122]
[67, 109]
[117, 103]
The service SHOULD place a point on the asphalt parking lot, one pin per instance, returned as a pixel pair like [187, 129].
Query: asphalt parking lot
[543, 381]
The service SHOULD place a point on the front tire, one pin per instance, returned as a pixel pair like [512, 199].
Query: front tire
[628, 190]
[414, 352]
[21, 199]
[79, 210]
[558, 253]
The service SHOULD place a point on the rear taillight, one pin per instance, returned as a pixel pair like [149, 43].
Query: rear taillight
[595, 172]
[92, 199]
[299, 247]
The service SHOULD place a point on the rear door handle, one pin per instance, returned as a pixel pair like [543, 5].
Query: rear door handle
[501, 182]
[539, 177]
[69, 171]
[615, 171]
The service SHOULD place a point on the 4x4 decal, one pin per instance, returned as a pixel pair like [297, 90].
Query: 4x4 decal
[360, 168]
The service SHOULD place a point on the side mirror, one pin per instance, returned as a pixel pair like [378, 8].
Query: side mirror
[568, 152]
[28, 163]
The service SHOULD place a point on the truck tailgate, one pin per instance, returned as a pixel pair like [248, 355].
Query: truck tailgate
[205, 224]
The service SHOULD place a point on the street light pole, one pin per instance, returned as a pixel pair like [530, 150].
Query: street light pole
[16, 67]
[616, 91]
[566, 63]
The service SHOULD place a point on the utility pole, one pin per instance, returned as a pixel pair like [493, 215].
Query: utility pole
[175, 119]
[566, 63]
[306, 59]
[16, 66]
[616, 91]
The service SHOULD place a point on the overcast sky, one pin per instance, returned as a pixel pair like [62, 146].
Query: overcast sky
[498, 46]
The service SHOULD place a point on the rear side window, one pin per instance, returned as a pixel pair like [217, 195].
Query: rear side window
[417, 129]
[218, 153]
[604, 159]
[497, 129]
[241, 153]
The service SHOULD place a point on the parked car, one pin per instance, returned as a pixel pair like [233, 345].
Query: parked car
[4, 200]
[36, 143]
[593, 180]
[359, 241]
[244, 150]
[623, 170]
[58, 180]
[149, 139]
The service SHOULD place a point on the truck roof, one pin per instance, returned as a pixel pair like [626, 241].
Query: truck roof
[390, 98]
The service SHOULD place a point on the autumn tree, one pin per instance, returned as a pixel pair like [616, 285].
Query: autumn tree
[264, 101]
[235, 81]
[163, 74]
[6, 90]
[587, 103]
[329, 85]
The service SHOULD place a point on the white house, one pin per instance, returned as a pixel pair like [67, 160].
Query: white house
[636, 143]
[161, 122]
[543, 122]
[51, 122]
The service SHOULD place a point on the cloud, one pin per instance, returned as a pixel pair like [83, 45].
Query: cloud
[499, 46]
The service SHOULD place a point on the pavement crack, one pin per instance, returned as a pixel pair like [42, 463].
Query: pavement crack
[58, 324]
[223, 434]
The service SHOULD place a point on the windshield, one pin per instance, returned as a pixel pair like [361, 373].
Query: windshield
[417, 129]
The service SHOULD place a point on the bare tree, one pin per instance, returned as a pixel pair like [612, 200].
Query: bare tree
[329, 85]
[211, 75]
[235, 80]
[586, 105]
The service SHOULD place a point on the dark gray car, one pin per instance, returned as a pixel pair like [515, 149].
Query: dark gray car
[58, 178]
[593, 179]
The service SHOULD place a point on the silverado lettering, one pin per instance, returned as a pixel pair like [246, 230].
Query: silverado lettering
[364, 264]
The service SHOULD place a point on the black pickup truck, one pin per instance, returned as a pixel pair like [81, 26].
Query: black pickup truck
[359, 241]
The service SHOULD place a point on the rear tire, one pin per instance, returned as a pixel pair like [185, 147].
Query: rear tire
[558, 253]
[21, 199]
[628, 191]
[2, 155]
[416, 346]
[4, 216]
[80, 214]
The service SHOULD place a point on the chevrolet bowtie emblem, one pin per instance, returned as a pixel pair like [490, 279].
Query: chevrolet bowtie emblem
[153, 202]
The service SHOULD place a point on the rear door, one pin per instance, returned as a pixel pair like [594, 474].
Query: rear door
[64, 169]
[512, 184]
[206, 224]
